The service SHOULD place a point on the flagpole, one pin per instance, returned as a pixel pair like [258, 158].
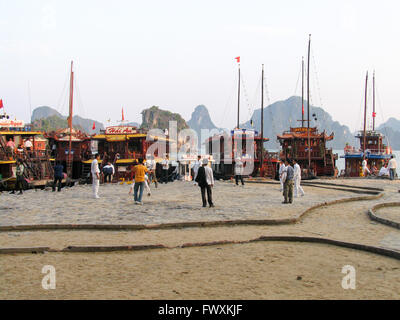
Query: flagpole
[71, 100]
[238, 110]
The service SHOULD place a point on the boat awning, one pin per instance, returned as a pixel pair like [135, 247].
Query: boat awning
[7, 162]
[21, 133]
[118, 137]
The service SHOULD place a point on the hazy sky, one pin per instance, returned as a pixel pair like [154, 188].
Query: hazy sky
[179, 54]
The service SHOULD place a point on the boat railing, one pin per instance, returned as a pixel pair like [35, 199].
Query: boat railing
[354, 151]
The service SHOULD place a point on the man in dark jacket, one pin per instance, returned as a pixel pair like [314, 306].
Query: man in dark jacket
[58, 176]
[205, 180]
[19, 173]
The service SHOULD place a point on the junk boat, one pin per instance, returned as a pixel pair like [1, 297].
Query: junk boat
[306, 144]
[371, 148]
[246, 144]
[37, 162]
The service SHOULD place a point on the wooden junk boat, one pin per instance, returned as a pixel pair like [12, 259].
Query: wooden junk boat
[37, 162]
[122, 146]
[371, 145]
[59, 142]
[306, 144]
[318, 157]
[226, 147]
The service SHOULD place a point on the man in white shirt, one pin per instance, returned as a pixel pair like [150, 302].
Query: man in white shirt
[392, 166]
[297, 179]
[365, 169]
[108, 171]
[95, 176]
[28, 144]
[205, 179]
[151, 165]
[239, 171]
[165, 167]
[384, 171]
[196, 167]
[281, 170]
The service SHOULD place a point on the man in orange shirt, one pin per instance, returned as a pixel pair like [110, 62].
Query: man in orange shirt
[139, 171]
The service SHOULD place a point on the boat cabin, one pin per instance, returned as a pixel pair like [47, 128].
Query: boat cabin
[294, 144]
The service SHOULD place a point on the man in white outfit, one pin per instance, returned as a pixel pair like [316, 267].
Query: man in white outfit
[281, 170]
[95, 176]
[297, 179]
[392, 166]
[365, 169]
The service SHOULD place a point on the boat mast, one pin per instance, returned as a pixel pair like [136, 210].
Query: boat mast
[365, 114]
[308, 103]
[373, 100]
[71, 99]
[262, 117]
[238, 110]
[302, 92]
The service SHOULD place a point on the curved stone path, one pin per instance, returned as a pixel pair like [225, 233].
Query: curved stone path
[341, 221]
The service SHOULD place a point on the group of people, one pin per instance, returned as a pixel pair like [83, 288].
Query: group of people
[27, 145]
[290, 178]
[387, 170]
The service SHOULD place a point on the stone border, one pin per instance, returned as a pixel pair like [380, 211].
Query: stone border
[98, 249]
[373, 216]
[181, 225]
[32, 250]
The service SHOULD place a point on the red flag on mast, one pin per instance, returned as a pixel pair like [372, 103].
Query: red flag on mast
[94, 126]
[237, 59]
[373, 114]
[1, 103]
[302, 110]
[123, 118]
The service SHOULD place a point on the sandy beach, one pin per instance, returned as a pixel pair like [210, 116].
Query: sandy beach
[255, 270]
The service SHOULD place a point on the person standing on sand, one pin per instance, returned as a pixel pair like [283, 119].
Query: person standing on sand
[196, 168]
[288, 175]
[140, 176]
[58, 176]
[365, 169]
[392, 166]
[165, 167]
[95, 176]
[297, 179]
[205, 180]
[151, 166]
[19, 173]
[239, 171]
[281, 170]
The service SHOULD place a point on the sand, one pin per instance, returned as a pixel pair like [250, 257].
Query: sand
[241, 271]
[248, 271]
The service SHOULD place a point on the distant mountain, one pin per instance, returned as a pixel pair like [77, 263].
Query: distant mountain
[156, 118]
[392, 123]
[48, 119]
[201, 120]
[44, 112]
[133, 124]
[281, 115]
